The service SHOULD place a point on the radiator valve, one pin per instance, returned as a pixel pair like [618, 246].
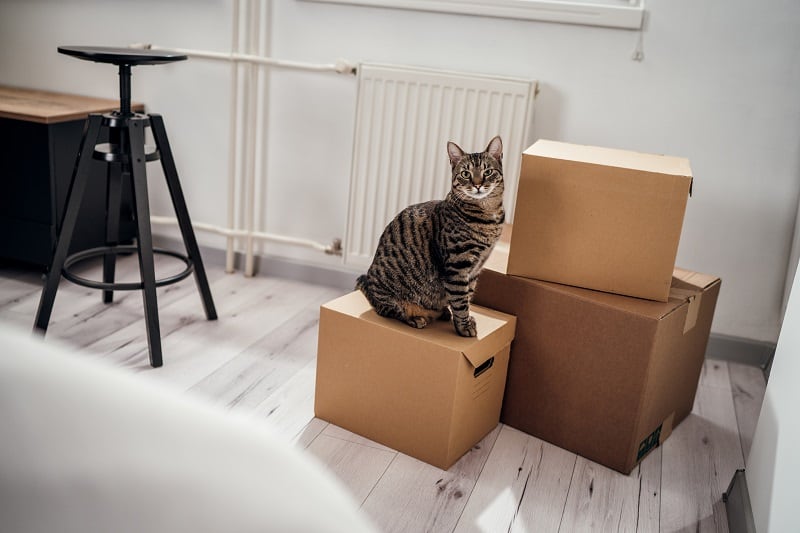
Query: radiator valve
[335, 248]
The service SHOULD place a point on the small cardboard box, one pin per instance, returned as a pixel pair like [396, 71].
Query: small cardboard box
[599, 218]
[425, 392]
[605, 376]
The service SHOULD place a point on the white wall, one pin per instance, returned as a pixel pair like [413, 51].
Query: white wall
[31, 31]
[773, 466]
[718, 84]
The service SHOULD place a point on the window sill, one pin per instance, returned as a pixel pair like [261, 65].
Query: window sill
[591, 14]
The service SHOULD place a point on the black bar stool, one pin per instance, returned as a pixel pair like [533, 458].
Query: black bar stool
[126, 156]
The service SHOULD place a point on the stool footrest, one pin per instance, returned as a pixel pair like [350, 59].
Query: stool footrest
[121, 286]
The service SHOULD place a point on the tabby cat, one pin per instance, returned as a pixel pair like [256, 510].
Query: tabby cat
[430, 255]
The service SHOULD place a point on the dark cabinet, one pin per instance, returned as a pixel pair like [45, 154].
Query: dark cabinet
[40, 133]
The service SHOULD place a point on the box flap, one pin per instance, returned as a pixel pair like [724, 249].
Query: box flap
[695, 279]
[495, 332]
[495, 329]
[689, 287]
[661, 164]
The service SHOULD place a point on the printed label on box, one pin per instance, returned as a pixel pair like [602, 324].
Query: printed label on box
[650, 442]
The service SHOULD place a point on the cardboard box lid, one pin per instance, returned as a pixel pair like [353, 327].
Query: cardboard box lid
[660, 164]
[685, 289]
[495, 329]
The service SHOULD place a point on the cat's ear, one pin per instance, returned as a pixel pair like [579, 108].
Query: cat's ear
[455, 152]
[495, 148]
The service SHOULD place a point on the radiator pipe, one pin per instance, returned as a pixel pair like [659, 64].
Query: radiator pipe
[234, 130]
[255, 164]
[334, 248]
[341, 66]
[253, 100]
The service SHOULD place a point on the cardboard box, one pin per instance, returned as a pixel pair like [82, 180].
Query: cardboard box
[599, 218]
[425, 392]
[605, 376]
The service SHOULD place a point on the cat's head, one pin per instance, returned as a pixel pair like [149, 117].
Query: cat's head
[477, 176]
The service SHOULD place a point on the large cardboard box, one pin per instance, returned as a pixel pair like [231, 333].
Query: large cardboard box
[428, 393]
[605, 376]
[599, 218]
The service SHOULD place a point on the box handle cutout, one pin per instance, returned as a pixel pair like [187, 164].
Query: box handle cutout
[486, 365]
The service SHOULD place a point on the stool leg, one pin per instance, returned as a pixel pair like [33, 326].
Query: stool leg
[113, 201]
[182, 213]
[144, 239]
[77, 187]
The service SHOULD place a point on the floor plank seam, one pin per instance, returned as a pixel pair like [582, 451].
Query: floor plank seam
[736, 409]
[359, 442]
[377, 481]
[566, 499]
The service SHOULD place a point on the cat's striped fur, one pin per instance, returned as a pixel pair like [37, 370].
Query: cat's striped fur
[430, 254]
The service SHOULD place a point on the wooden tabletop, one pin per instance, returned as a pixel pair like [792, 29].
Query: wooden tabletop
[46, 107]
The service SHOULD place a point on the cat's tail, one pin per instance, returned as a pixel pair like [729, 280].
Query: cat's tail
[361, 283]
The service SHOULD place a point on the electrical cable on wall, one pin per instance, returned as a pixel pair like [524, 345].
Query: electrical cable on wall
[638, 51]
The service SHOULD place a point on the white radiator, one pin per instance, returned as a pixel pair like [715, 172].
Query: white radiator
[404, 118]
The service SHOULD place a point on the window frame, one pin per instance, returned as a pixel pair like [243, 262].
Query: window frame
[606, 13]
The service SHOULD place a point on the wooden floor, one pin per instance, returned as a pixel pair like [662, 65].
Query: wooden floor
[260, 357]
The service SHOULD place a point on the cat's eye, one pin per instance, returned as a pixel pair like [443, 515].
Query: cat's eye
[465, 174]
[488, 173]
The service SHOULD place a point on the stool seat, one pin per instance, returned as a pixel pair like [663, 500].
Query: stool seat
[121, 55]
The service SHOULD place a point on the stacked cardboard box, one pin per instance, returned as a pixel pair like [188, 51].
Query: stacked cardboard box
[608, 340]
[610, 336]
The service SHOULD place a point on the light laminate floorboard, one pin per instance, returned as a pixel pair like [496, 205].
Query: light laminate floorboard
[523, 486]
[260, 358]
[415, 496]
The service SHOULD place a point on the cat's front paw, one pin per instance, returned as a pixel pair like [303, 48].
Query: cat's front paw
[466, 328]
